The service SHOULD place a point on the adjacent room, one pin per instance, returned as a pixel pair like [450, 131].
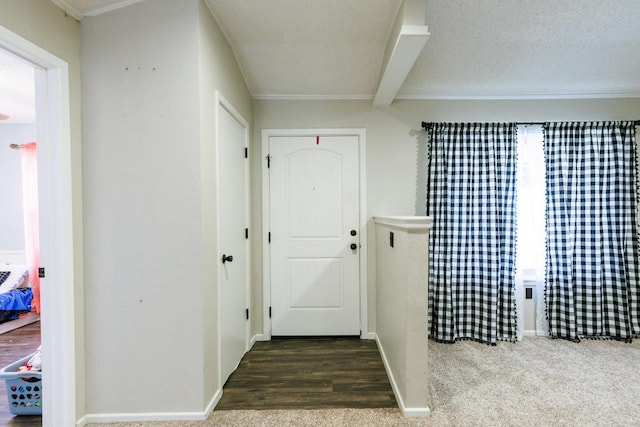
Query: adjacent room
[452, 185]
[19, 231]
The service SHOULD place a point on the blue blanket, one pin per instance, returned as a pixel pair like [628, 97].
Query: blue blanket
[14, 303]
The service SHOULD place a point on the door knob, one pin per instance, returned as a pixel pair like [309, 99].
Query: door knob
[226, 258]
[354, 246]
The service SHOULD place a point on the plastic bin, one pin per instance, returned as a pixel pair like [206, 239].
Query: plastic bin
[24, 389]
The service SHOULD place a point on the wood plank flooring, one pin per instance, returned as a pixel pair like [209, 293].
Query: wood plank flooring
[15, 345]
[309, 373]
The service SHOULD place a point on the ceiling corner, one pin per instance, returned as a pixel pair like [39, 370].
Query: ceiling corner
[68, 9]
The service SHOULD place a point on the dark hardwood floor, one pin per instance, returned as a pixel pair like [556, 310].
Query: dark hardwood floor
[15, 345]
[309, 373]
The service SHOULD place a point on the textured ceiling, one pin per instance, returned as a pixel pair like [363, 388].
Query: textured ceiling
[515, 48]
[301, 47]
[477, 48]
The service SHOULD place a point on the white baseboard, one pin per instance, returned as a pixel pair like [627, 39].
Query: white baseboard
[407, 412]
[261, 337]
[156, 416]
[213, 403]
[368, 336]
[534, 333]
[144, 416]
[416, 412]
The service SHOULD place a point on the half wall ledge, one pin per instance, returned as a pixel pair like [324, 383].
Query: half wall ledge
[402, 245]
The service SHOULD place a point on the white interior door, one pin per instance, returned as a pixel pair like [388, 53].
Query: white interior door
[233, 220]
[314, 200]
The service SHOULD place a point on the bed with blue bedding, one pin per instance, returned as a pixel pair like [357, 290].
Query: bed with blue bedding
[15, 293]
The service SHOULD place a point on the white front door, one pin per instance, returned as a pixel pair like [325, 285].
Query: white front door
[315, 233]
[234, 247]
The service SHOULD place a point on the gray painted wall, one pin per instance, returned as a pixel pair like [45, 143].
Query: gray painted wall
[395, 148]
[150, 73]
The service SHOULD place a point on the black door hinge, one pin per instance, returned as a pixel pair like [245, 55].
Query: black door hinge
[269, 312]
[247, 313]
[246, 152]
[246, 233]
[268, 161]
[41, 272]
[269, 237]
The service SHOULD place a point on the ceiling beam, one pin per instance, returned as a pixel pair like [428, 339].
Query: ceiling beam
[407, 39]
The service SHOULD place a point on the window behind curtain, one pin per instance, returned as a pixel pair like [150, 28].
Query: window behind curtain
[530, 257]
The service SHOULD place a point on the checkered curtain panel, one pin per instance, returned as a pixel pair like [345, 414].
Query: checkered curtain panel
[592, 286]
[471, 196]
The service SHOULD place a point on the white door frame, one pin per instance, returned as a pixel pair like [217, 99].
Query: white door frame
[222, 103]
[266, 220]
[56, 228]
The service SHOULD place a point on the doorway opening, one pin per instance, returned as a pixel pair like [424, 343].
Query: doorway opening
[53, 133]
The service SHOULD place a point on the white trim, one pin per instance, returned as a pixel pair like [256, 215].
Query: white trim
[213, 403]
[266, 252]
[110, 8]
[520, 96]
[261, 337]
[266, 249]
[451, 96]
[143, 416]
[79, 15]
[416, 412]
[221, 102]
[152, 416]
[407, 223]
[56, 228]
[368, 336]
[294, 97]
[364, 245]
[407, 412]
[160, 416]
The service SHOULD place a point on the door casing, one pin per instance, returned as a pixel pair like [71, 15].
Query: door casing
[55, 169]
[223, 104]
[266, 221]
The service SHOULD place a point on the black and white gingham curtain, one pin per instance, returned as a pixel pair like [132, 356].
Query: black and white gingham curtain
[471, 198]
[592, 286]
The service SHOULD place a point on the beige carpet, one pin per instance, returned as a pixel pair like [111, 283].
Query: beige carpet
[536, 382]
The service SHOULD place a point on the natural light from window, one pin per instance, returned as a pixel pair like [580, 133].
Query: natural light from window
[530, 268]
